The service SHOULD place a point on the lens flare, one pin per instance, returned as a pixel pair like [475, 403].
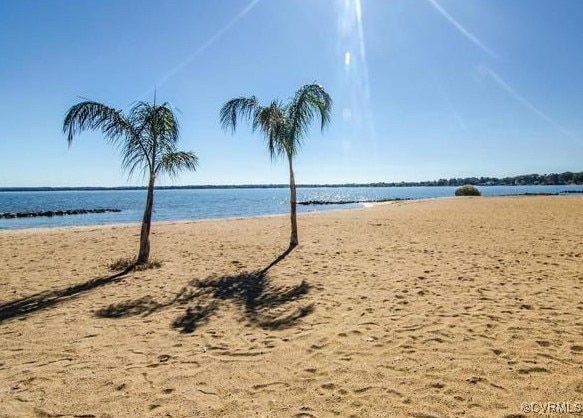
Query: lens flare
[356, 113]
[466, 33]
[209, 42]
[488, 72]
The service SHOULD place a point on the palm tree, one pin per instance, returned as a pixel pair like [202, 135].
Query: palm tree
[284, 126]
[147, 138]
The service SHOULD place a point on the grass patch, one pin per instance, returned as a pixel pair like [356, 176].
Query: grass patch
[124, 263]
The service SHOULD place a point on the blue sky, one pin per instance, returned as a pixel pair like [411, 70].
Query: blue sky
[422, 89]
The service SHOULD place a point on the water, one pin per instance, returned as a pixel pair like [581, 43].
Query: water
[212, 203]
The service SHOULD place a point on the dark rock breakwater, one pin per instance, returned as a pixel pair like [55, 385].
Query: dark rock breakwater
[49, 213]
[348, 202]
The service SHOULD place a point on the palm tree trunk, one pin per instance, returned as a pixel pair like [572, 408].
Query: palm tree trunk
[144, 253]
[292, 200]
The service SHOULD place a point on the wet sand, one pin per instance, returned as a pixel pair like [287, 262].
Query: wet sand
[432, 308]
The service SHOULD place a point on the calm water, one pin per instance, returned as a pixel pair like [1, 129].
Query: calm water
[207, 204]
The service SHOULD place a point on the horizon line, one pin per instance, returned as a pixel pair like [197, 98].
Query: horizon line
[273, 185]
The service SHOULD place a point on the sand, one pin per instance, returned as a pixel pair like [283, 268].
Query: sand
[433, 308]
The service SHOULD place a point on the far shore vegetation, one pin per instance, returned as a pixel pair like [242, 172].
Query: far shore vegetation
[563, 179]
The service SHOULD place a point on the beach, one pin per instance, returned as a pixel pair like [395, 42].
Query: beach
[429, 308]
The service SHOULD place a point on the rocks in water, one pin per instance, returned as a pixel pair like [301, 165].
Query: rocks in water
[49, 213]
[348, 202]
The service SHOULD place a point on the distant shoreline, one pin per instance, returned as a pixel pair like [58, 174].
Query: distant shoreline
[263, 186]
[567, 178]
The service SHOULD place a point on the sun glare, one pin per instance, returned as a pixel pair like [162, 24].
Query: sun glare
[358, 10]
[203, 47]
[347, 58]
[357, 110]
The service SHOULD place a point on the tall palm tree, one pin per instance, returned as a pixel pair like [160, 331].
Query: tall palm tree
[147, 137]
[284, 126]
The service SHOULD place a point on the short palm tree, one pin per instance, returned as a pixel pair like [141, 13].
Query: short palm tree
[284, 126]
[147, 138]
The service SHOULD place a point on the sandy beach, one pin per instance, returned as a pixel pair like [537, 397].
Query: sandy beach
[432, 308]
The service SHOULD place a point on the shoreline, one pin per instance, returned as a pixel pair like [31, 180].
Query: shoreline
[163, 222]
[364, 205]
[187, 221]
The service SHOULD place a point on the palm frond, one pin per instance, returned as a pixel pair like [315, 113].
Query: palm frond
[135, 157]
[166, 124]
[272, 122]
[91, 115]
[310, 100]
[142, 117]
[172, 162]
[242, 108]
[138, 150]
[158, 131]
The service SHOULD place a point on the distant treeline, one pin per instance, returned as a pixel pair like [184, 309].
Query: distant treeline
[552, 179]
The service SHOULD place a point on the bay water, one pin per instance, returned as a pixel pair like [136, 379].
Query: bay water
[184, 204]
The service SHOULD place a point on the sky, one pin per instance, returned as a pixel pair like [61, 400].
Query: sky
[422, 89]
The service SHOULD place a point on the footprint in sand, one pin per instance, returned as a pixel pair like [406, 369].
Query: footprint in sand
[578, 386]
[533, 370]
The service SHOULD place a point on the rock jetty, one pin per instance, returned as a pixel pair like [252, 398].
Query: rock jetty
[348, 202]
[49, 213]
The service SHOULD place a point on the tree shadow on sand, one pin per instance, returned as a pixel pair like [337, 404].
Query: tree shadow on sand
[263, 303]
[42, 300]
